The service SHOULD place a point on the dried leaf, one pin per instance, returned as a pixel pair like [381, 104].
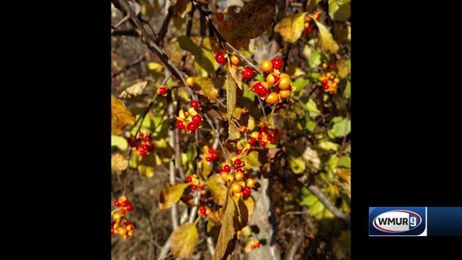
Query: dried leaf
[230, 87]
[218, 189]
[134, 90]
[234, 72]
[233, 131]
[207, 88]
[326, 41]
[291, 27]
[171, 195]
[184, 240]
[250, 203]
[312, 157]
[121, 116]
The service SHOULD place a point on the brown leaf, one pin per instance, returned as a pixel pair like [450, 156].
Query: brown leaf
[218, 189]
[184, 240]
[231, 223]
[121, 116]
[171, 195]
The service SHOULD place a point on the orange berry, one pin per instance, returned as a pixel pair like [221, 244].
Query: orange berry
[224, 176]
[117, 216]
[283, 94]
[236, 188]
[229, 178]
[272, 98]
[266, 66]
[238, 176]
[284, 83]
[122, 198]
[190, 81]
[235, 60]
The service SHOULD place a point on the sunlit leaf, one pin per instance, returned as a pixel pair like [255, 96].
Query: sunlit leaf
[343, 67]
[291, 27]
[184, 240]
[119, 142]
[326, 145]
[251, 160]
[341, 128]
[207, 88]
[297, 164]
[250, 203]
[121, 116]
[326, 41]
[217, 188]
[312, 157]
[339, 10]
[183, 7]
[171, 195]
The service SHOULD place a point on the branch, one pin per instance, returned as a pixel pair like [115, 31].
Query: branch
[328, 204]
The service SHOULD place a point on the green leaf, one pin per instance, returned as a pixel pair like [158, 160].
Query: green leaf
[119, 142]
[171, 195]
[312, 108]
[299, 84]
[308, 200]
[184, 240]
[326, 145]
[326, 41]
[312, 56]
[344, 161]
[339, 10]
[341, 128]
[297, 164]
[199, 54]
[291, 27]
[310, 125]
[347, 92]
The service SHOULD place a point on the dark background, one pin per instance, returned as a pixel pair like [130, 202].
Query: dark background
[405, 117]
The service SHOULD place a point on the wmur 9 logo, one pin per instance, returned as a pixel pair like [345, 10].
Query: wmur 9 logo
[397, 221]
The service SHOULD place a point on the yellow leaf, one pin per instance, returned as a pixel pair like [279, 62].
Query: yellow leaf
[234, 72]
[291, 27]
[251, 123]
[134, 90]
[233, 131]
[251, 160]
[343, 68]
[250, 203]
[230, 87]
[184, 240]
[218, 189]
[155, 66]
[326, 41]
[205, 168]
[297, 164]
[171, 195]
[234, 219]
[121, 116]
[207, 88]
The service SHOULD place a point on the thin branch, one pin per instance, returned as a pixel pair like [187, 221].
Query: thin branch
[126, 67]
[164, 28]
[328, 204]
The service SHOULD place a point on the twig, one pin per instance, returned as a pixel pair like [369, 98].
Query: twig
[171, 137]
[119, 23]
[328, 204]
[164, 28]
[126, 67]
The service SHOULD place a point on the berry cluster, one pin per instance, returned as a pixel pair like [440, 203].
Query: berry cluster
[196, 183]
[120, 225]
[329, 80]
[162, 90]
[210, 154]
[142, 144]
[263, 137]
[247, 72]
[239, 182]
[189, 120]
[251, 245]
[277, 87]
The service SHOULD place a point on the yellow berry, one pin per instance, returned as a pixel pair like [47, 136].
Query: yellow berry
[251, 183]
[122, 198]
[238, 176]
[229, 178]
[117, 216]
[336, 80]
[266, 66]
[236, 188]
[190, 81]
[235, 60]
[272, 98]
[324, 65]
[283, 94]
[272, 79]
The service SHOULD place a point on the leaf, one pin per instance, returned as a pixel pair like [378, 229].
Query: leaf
[344, 161]
[200, 56]
[347, 92]
[134, 90]
[184, 240]
[312, 108]
[291, 27]
[339, 10]
[312, 157]
[343, 67]
[121, 116]
[171, 195]
[205, 168]
[250, 203]
[230, 87]
[312, 56]
[299, 84]
[230, 224]
[118, 162]
[119, 142]
[233, 131]
[155, 67]
[297, 164]
[251, 160]
[217, 188]
[341, 128]
[254, 18]
[326, 41]
[326, 145]
[207, 88]
[237, 77]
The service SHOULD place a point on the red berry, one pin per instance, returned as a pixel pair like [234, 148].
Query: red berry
[195, 104]
[324, 82]
[143, 152]
[277, 63]
[308, 30]
[163, 91]
[220, 58]
[179, 124]
[197, 119]
[226, 168]
[150, 147]
[141, 134]
[262, 143]
[194, 187]
[247, 73]
[203, 211]
[129, 207]
[116, 203]
[192, 126]
[215, 156]
[209, 159]
[131, 142]
[147, 138]
[260, 89]
[238, 151]
[237, 162]
[246, 191]
[188, 179]
[123, 211]
[252, 140]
